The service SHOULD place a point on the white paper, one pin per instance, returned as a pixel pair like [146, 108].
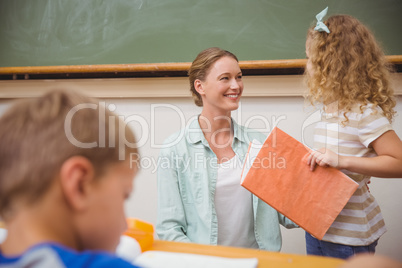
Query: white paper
[255, 147]
[128, 248]
[159, 259]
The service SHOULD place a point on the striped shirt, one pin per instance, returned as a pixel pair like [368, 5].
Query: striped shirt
[360, 223]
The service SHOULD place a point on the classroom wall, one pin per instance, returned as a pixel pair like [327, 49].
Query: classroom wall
[157, 117]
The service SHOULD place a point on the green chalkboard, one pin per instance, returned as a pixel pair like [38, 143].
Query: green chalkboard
[85, 32]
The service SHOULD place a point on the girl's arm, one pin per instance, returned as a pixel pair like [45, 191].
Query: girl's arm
[387, 163]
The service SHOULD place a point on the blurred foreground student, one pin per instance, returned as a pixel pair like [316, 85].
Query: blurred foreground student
[200, 198]
[347, 74]
[63, 182]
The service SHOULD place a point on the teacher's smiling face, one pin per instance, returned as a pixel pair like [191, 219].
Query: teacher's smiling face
[223, 86]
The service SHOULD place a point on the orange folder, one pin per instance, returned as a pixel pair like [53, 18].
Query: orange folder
[277, 174]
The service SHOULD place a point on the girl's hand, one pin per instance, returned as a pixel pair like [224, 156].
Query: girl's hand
[323, 157]
[387, 163]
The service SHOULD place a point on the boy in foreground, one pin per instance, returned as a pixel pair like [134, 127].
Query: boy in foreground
[65, 173]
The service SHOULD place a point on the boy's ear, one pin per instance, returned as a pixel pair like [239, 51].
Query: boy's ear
[76, 177]
[198, 87]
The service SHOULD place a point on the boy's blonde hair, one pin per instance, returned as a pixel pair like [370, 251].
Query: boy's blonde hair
[35, 140]
[348, 66]
[201, 65]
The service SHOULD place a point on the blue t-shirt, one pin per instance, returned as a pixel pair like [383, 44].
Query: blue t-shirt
[51, 255]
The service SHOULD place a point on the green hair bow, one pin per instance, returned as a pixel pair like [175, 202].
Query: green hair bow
[321, 27]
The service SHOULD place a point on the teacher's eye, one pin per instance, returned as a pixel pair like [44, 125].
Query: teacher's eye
[224, 78]
[239, 77]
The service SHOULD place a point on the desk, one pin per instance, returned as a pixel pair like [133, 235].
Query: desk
[265, 258]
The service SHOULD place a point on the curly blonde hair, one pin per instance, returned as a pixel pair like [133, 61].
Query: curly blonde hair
[348, 66]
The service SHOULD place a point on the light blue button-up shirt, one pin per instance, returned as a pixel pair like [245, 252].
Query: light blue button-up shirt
[187, 175]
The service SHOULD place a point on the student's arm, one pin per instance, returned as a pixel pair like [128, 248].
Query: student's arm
[388, 163]
[171, 222]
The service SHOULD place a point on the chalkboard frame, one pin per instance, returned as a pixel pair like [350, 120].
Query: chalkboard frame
[262, 67]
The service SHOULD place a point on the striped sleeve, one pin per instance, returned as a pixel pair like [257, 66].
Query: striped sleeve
[372, 125]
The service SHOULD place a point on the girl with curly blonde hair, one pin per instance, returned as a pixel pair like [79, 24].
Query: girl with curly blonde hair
[348, 75]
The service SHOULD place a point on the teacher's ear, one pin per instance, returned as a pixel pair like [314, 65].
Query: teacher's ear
[198, 87]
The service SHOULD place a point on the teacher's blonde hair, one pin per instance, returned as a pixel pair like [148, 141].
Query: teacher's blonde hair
[202, 64]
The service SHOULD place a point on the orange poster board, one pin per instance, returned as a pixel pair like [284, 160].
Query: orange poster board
[277, 173]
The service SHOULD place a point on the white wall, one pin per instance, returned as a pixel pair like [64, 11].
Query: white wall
[289, 112]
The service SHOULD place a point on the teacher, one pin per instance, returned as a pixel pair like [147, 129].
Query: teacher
[200, 198]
